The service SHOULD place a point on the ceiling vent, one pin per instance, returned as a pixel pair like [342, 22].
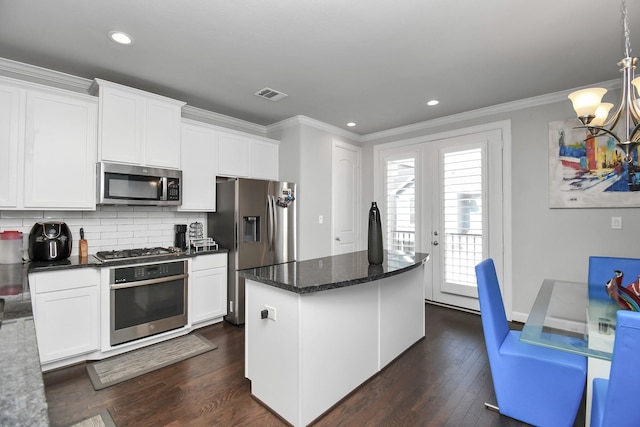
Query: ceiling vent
[270, 94]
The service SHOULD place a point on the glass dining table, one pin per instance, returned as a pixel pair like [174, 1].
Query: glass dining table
[565, 317]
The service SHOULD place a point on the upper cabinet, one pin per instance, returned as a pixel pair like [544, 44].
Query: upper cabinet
[11, 126]
[49, 136]
[248, 156]
[60, 151]
[137, 127]
[199, 167]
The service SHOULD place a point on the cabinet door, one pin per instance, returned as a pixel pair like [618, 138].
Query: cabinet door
[11, 121]
[264, 160]
[60, 151]
[66, 323]
[121, 126]
[199, 168]
[162, 134]
[208, 294]
[234, 155]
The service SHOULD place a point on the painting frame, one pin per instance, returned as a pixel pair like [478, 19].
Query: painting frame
[589, 172]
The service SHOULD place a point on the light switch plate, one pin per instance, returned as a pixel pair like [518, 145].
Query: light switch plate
[616, 223]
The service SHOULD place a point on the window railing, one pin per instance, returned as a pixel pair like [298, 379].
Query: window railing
[402, 241]
[462, 253]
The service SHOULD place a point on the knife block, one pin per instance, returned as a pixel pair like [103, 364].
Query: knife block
[84, 248]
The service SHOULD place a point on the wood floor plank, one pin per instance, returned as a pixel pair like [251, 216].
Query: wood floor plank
[443, 380]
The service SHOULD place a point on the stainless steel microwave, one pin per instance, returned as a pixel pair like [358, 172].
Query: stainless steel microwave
[120, 184]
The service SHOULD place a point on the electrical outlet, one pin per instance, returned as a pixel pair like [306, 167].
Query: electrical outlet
[272, 312]
[616, 223]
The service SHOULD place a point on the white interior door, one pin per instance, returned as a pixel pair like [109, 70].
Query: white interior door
[345, 198]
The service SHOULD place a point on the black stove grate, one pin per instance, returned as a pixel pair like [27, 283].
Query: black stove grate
[133, 253]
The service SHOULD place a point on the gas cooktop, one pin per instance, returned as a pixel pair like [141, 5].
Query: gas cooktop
[127, 254]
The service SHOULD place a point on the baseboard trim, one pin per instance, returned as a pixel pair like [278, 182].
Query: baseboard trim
[454, 307]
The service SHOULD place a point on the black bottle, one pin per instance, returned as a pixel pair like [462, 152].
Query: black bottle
[375, 235]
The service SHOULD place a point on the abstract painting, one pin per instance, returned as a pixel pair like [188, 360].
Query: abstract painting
[589, 172]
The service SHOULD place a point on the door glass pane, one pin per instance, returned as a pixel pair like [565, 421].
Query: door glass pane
[462, 214]
[400, 215]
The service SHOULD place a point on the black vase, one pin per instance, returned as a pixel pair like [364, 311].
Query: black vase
[375, 235]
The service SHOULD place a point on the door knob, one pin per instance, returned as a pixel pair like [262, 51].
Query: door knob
[337, 239]
[434, 243]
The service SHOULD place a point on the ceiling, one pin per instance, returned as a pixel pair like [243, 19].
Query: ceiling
[373, 62]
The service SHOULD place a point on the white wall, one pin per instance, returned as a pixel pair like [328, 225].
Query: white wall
[305, 157]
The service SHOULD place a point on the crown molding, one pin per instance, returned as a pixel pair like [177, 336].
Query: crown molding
[211, 117]
[486, 111]
[317, 124]
[54, 78]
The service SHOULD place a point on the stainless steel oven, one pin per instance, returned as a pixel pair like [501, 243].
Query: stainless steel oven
[147, 299]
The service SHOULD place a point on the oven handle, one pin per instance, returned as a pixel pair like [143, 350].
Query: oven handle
[148, 282]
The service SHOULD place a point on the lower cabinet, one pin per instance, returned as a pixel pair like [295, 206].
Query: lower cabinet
[208, 284]
[66, 312]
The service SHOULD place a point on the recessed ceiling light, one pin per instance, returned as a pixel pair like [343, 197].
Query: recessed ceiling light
[120, 37]
[351, 124]
[433, 102]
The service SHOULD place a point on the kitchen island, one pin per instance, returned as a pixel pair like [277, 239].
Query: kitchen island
[317, 329]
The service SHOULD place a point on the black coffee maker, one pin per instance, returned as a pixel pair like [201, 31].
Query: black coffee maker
[180, 241]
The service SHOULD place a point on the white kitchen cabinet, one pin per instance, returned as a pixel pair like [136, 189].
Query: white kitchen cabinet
[49, 140]
[137, 127]
[199, 167]
[11, 123]
[234, 155]
[264, 160]
[60, 151]
[66, 312]
[241, 155]
[208, 282]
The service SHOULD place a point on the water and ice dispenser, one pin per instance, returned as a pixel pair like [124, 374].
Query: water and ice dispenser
[250, 229]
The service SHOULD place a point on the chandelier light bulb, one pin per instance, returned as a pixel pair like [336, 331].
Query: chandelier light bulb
[636, 83]
[587, 101]
[602, 112]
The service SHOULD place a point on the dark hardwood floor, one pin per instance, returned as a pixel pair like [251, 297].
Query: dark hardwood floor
[443, 380]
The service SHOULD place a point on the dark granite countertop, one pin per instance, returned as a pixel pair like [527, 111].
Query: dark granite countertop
[333, 272]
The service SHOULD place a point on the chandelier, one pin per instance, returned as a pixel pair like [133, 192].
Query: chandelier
[593, 113]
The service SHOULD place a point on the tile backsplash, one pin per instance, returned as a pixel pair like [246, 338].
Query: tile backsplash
[108, 227]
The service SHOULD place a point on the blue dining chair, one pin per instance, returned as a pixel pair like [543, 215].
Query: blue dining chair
[613, 401]
[533, 384]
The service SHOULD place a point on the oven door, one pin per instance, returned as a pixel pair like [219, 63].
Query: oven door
[148, 307]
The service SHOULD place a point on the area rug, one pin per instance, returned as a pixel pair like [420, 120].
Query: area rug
[103, 419]
[125, 366]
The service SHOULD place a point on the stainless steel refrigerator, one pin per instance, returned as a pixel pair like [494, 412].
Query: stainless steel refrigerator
[256, 221]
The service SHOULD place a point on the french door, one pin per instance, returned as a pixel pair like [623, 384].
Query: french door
[444, 197]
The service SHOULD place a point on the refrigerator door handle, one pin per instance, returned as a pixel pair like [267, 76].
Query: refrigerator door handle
[271, 214]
